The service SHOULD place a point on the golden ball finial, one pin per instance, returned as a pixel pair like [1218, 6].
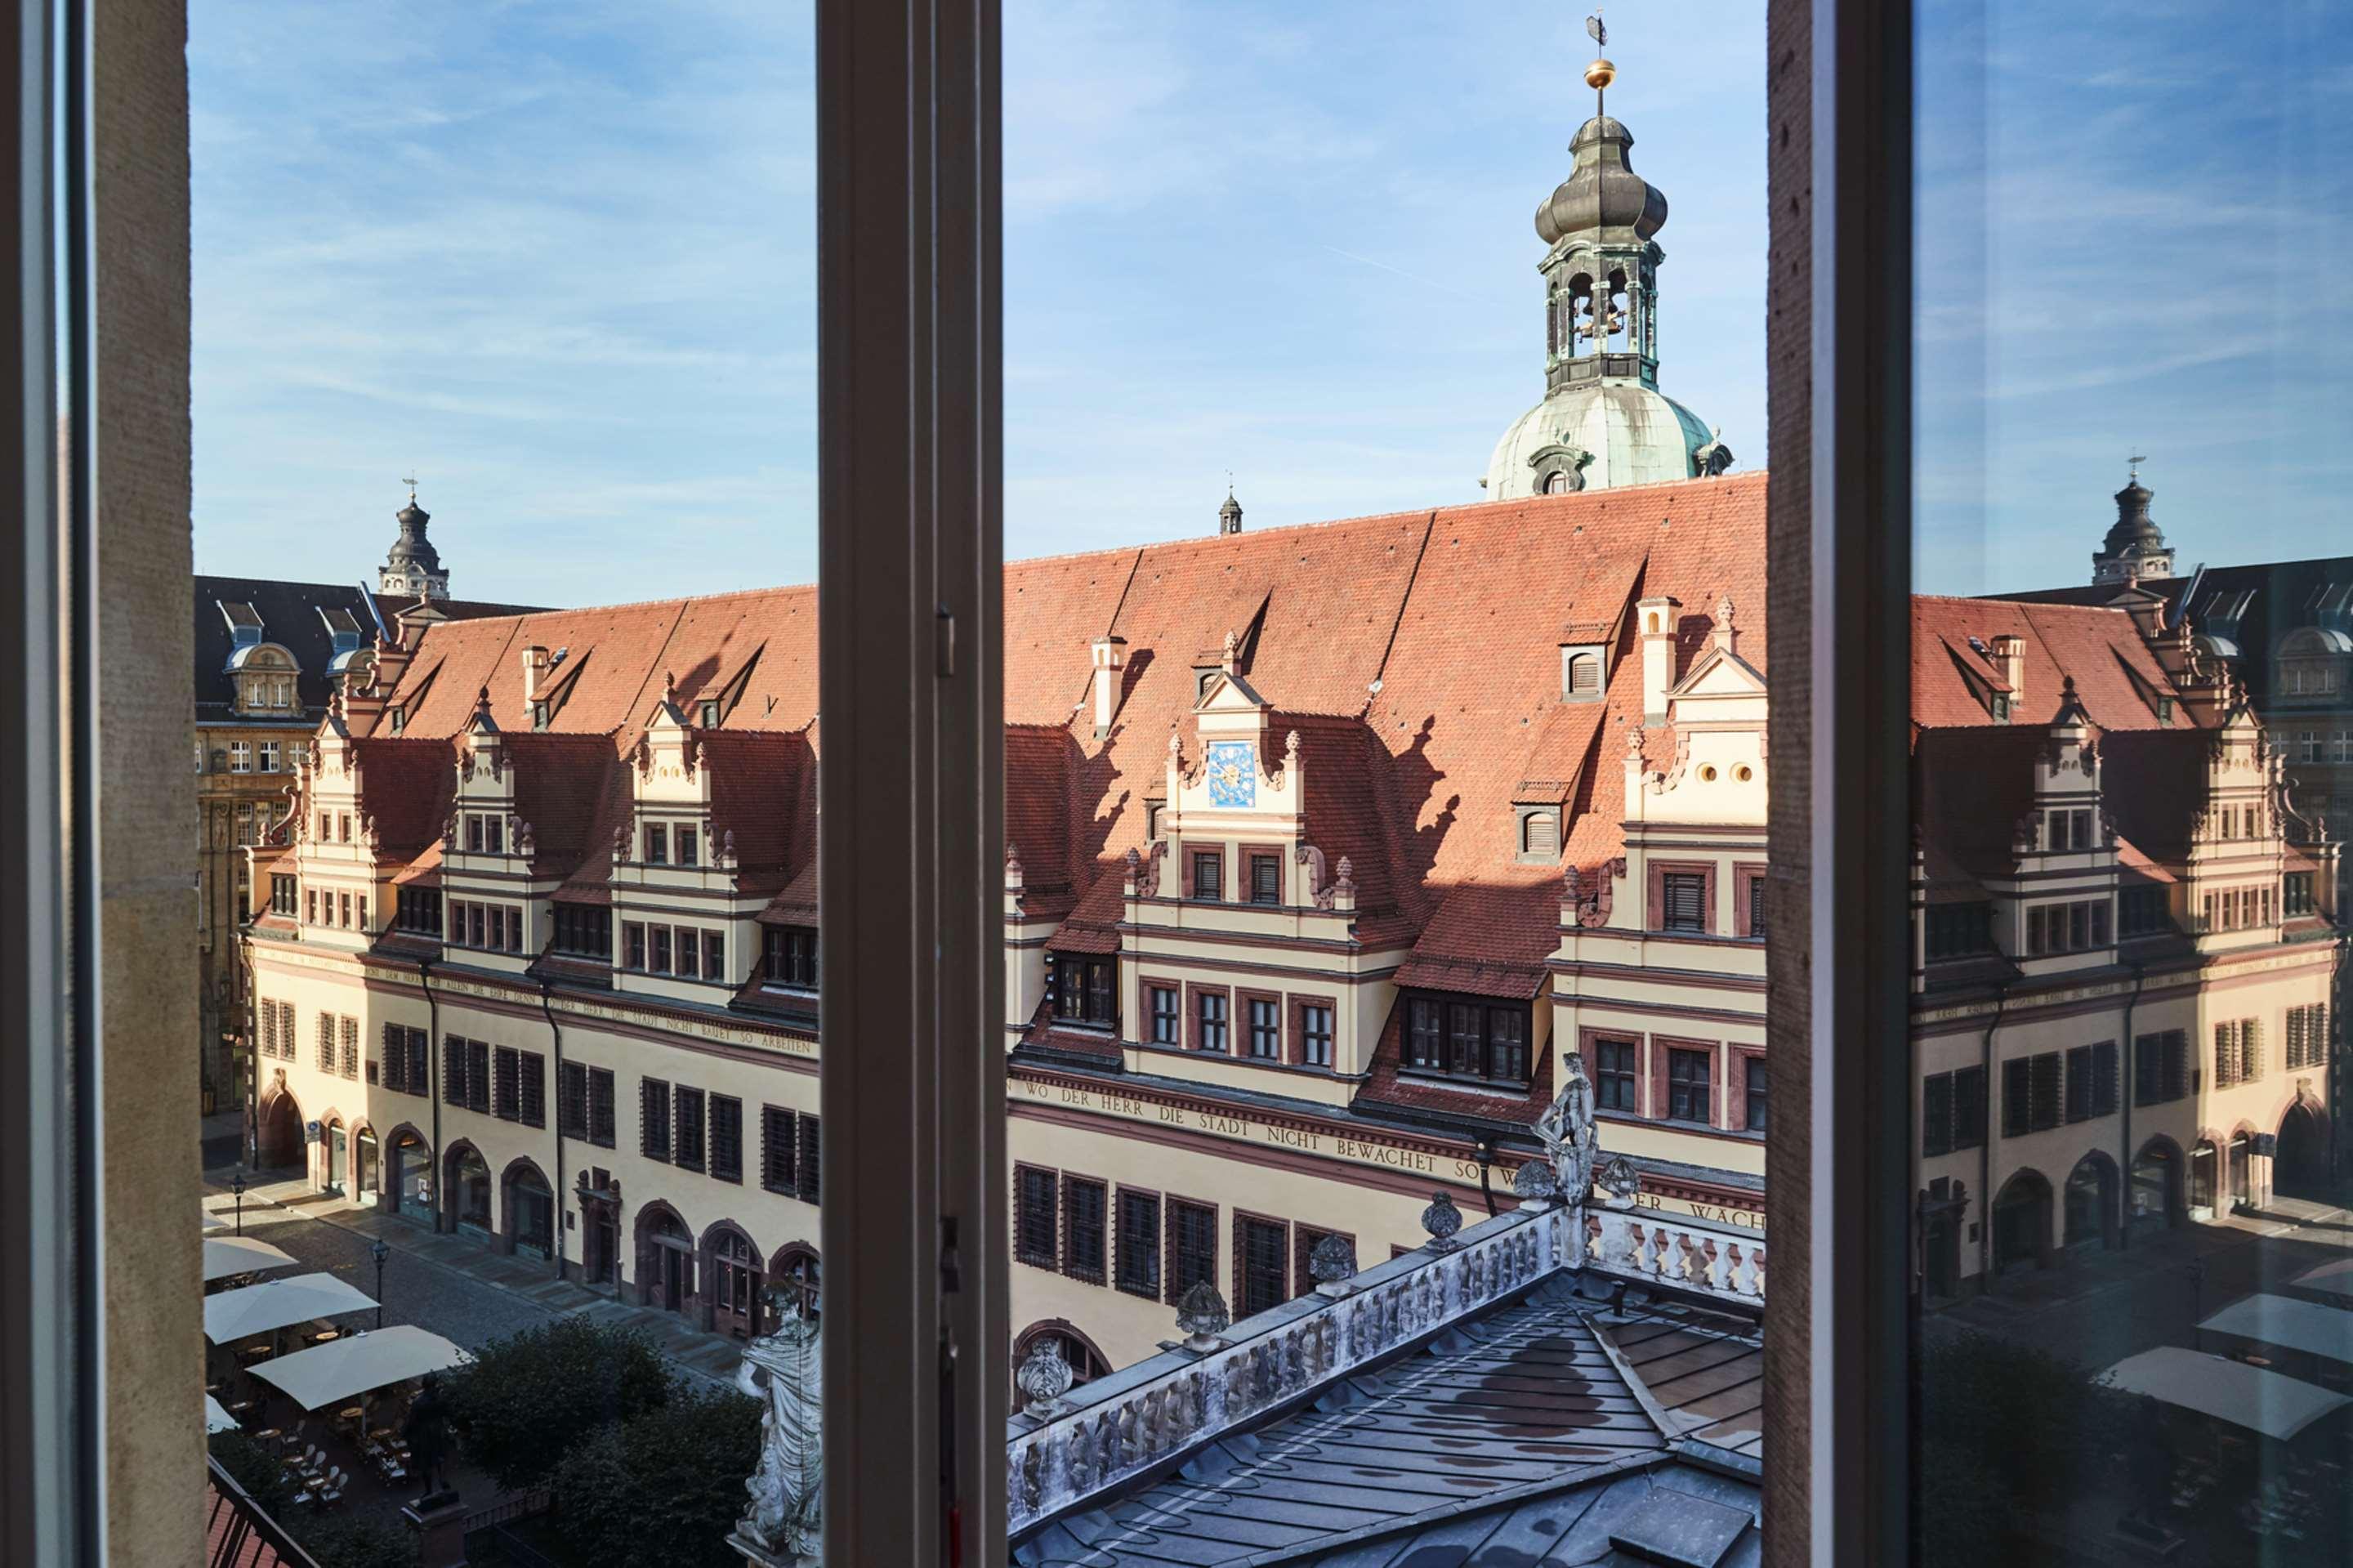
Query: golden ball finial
[1600, 74]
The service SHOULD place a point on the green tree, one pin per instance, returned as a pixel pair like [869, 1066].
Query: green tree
[255, 1469]
[525, 1400]
[662, 1489]
[2011, 1434]
[357, 1543]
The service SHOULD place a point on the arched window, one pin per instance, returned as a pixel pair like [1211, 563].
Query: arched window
[1560, 482]
[1584, 675]
[736, 1296]
[793, 1277]
[1086, 1362]
[470, 1190]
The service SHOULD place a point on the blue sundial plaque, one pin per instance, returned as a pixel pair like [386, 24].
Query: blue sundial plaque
[1233, 773]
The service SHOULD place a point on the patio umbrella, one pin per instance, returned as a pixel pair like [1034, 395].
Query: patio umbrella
[2224, 1390]
[214, 1223]
[224, 1255]
[215, 1418]
[359, 1364]
[2291, 1324]
[275, 1303]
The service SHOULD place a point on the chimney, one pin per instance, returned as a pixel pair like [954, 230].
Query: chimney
[1110, 659]
[1656, 619]
[535, 664]
[2009, 663]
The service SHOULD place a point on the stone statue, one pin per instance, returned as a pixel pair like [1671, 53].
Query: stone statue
[785, 1523]
[1567, 1128]
[427, 1433]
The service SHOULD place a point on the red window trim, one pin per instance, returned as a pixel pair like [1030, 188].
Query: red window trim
[1194, 991]
[1661, 1100]
[1733, 1098]
[1173, 988]
[1588, 1040]
[1246, 887]
[1295, 1048]
[1238, 1024]
[1170, 1204]
[1744, 874]
[1656, 920]
[1240, 1259]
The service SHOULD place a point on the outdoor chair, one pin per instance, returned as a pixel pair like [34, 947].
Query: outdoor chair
[332, 1491]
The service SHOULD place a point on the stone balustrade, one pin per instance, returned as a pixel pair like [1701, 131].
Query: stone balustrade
[1163, 1408]
[1656, 1248]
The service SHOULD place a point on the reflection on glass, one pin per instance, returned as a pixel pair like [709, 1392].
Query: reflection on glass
[2130, 663]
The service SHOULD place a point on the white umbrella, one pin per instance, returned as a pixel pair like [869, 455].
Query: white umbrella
[2224, 1390]
[215, 1418]
[224, 1255]
[275, 1303]
[2291, 1324]
[214, 1223]
[356, 1363]
[2329, 1278]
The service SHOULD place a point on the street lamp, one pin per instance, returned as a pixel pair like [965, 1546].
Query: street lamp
[379, 1252]
[236, 1186]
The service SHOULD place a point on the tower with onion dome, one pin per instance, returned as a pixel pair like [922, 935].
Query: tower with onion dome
[412, 568]
[1603, 422]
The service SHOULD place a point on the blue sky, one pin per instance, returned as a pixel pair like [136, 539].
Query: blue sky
[556, 260]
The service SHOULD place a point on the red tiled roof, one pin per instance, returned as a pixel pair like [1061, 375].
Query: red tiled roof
[2113, 668]
[1355, 631]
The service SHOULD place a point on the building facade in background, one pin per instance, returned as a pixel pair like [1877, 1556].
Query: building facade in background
[269, 654]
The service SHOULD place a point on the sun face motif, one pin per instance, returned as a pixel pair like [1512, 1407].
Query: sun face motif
[1232, 774]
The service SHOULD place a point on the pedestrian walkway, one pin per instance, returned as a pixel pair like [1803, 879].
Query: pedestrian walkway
[2100, 1305]
[270, 1203]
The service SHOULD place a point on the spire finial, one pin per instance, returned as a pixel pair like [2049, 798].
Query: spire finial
[1600, 73]
[2132, 466]
[410, 480]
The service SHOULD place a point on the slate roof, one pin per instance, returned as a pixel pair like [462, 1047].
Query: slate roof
[289, 613]
[1550, 1430]
[2249, 607]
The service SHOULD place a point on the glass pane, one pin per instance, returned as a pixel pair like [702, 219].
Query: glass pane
[2132, 656]
[505, 403]
[1396, 738]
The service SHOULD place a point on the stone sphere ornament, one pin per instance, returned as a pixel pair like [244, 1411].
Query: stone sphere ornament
[1202, 1315]
[1535, 1185]
[1333, 1262]
[1441, 1220]
[1600, 75]
[1043, 1377]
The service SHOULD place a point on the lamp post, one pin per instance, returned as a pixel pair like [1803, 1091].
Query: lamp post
[379, 1252]
[236, 1186]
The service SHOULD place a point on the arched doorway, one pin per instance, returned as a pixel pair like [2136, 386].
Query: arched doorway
[408, 1176]
[2243, 1169]
[665, 1259]
[2301, 1167]
[794, 1275]
[735, 1281]
[2091, 1202]
[468, 1184]
[530, 1208]
[364, 1161]
[2021, 1223]
[338, 1154]
[278, 1126]
[2205, 1178]
[1087, 1362]
[2155, 1187]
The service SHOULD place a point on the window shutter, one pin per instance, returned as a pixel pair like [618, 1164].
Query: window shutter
[1083, 1225]
[811, 1164]
[1542, 837]
[2014, 1096]
[1584, 675]
[1937, 1114]
[1685, 901]
[453, 1070]
[2251, 1047]
[532, 1074]
[1969, 1107]
[726, 1137]
[2046, 1090]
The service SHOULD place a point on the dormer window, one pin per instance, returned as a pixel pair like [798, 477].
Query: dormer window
[687, 845]
[539, 715]
[656, 844]
[709, 715]
[2067, 830]
[1539, 835]
[2000, 704]
[1084, 991]
[1580, 673]
[1266, 879]
[1467, 1037]
[399, 718]
[790, 956]
[1153, 812]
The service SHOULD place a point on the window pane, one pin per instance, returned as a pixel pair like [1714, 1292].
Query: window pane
[2127, 648]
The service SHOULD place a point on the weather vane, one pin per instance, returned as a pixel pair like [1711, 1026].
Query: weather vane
[411, 482]
[2134, 462]
[1600, 73]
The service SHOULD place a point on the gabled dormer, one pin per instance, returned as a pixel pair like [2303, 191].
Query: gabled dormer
[1234, 824]
[264, 673]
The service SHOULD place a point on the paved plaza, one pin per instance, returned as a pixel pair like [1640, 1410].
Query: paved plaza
[453, 1285]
